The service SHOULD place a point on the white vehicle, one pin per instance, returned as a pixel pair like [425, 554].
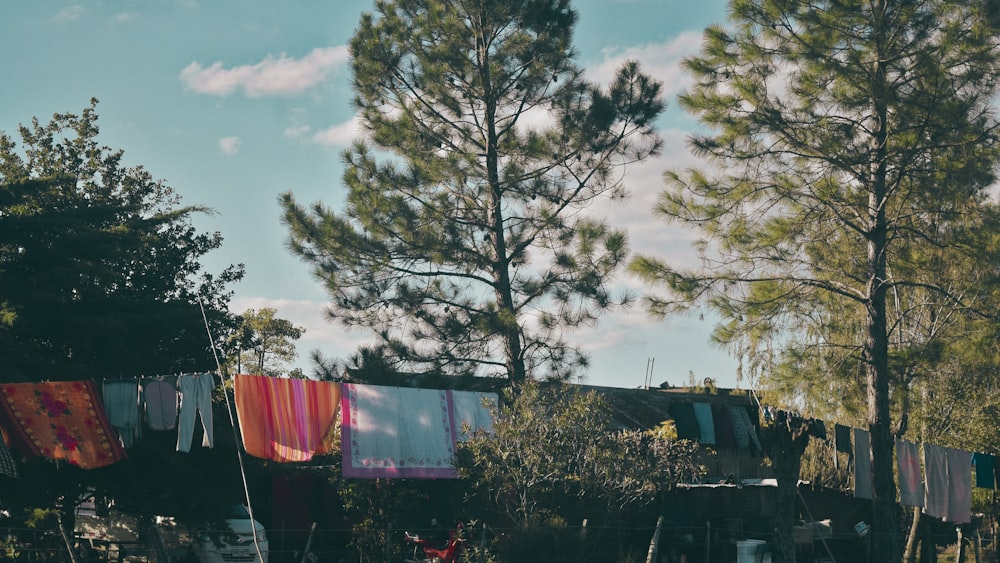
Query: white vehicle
[237, 544]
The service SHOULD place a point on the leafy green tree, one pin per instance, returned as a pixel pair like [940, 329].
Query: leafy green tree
[854, 144]
[462, 243]
[555, 457]
[100, 277]
[264, 343]
[99, 265]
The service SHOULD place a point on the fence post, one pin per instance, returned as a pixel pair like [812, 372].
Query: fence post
[388, 542]
[654, 544]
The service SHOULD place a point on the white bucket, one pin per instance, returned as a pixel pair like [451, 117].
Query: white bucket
[750, 551]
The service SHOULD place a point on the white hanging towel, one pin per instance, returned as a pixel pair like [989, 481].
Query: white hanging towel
[396, 432]
[936, 481]
[472, 413]
[911, 487]
[959, 486]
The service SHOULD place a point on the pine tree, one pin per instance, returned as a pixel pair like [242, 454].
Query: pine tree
[464, 240]
[853, 141]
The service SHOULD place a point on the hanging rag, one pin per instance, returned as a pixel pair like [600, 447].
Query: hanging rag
[285, 419]
[863, 479]
[686, 421]
[121, 402]
[741, 424]
[724, 435]
[161, 399]
[911, 487]
[706, 424]
[745, 428]
[959, 486]
[61, 420]
[842, 437]
[195, 398]
[473, 413]
[935, 481]
[985, 470]
[396, 432]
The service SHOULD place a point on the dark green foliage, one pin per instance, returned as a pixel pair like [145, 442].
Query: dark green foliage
[853, 144]
[461, 244]
[100, 278]
[555, 460]
[99, 271]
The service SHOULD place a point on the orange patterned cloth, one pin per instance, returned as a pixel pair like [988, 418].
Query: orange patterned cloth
[61, 420]
[285, 419]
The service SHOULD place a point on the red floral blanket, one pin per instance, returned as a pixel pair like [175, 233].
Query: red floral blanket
[61, 420]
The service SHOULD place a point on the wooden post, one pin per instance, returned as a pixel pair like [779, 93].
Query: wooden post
[309, 542]
[654, 544]
[388, 542]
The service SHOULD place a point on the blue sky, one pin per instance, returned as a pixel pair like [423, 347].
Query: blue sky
[234, 102]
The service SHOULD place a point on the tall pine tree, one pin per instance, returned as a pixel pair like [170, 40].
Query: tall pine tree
[463, 243]
[850, 140]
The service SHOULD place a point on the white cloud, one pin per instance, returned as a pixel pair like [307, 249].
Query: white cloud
[69, 13]
[297, 131]
[124, 17]
[229, 145]
[273, 76]
[341, 134]
[661, 60]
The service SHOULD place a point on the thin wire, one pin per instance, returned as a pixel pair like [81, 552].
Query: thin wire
[229, 410]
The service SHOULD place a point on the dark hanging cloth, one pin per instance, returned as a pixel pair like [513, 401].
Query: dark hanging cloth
[725, 437]
[686, 421]
[985, 470]
[843, 438]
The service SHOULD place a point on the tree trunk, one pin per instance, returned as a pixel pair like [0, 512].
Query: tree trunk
[910, 553]
[885, 536]
[784, 441]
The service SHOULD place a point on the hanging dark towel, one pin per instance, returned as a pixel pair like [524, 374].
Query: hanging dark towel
[985, 470]
[725, 437]
[843, 438]
[687, 423]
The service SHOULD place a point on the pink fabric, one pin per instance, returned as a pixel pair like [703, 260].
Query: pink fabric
[61, 420]
[911, 490]
[285, 419]
[396, 432]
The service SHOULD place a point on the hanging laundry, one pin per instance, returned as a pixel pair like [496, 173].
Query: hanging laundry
[935, 481]
[842, 435]
[285, 419]
[744, 428]
[706, 424]
[61, 420]
[7, 465]
[985, 470]
[161, 400]
[740, 426]
[121, 402]
[472, 412]
[724, 435]
[685, 420]
[195, 398]
[959, 486]
[396, 432]
[863, 479]
[911, 487]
